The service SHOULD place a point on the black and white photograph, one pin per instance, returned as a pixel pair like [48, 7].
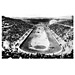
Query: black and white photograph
[37, 38]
